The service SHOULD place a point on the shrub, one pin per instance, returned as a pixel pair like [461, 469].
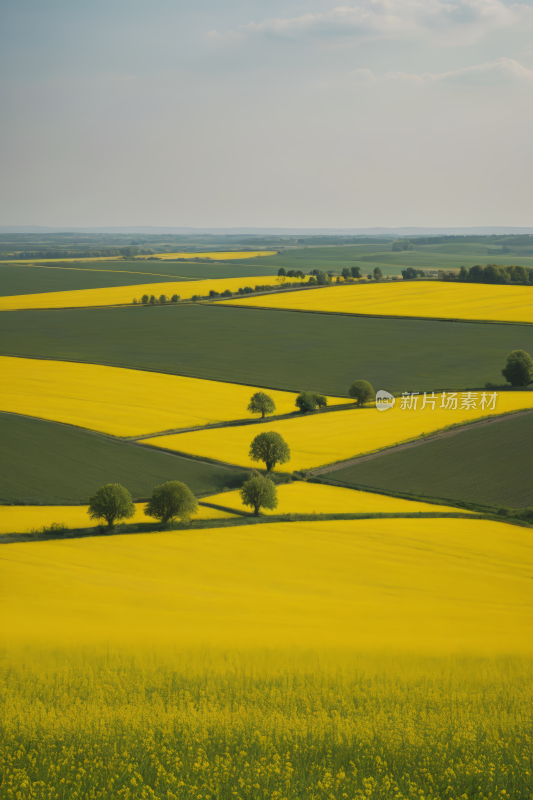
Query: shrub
[306, 401]
[362, 392]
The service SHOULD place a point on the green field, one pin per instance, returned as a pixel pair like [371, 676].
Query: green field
[491, 466]
[21, 279]
[47, 463]
[277, 349]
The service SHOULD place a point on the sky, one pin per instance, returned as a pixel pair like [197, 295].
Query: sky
[266, 114]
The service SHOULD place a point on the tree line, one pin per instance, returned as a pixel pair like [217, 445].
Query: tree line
[495, 273]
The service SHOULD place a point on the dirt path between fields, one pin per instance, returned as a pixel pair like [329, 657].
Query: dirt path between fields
[418, 442]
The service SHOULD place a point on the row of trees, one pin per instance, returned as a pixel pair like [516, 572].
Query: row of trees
[152, 300]
[494, 273]
[170, 501]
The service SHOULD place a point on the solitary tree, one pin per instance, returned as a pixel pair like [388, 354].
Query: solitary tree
[356, 272]
[361, 391]
[519, 368]
[271, 448]
[378, 273]
[261, 403]
[170, 500]
[111, 502]
[259, 492]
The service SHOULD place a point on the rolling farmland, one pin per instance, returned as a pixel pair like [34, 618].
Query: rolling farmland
[272, 349]
[26, 279]
[460, 583]
[323, 439]
[491, 466]
[47, 463]
[438, 299]
[123, 402]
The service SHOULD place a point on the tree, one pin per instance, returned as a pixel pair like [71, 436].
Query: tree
[281, 271]
[227, 293]
[463, 274]
[271, 448]
[111, 502]
[162, 298]
[306, 401]
[519, 368]
[356, 272]
[321, 278]
[175, 298]
[377, 273]
[261, 403]
[259, 492]
[493, 274]
[170, 500]
[518, 274]
[321, 400]
[153, 300]
[346, 274]
[144, 299]
[408, 274]
[361, 391]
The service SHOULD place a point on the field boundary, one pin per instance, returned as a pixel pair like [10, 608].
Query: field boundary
[238, 521]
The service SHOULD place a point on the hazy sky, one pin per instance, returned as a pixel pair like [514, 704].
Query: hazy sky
[380, 112]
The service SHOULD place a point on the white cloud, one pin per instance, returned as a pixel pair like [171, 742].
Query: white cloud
[502, 72]
[447, 21]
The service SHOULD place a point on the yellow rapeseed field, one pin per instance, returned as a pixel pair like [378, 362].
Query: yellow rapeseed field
[140, 725]
[22, 519]
[323, 439]
[314, 498]
[128, 402]
[226, 255]
[229, 254]
[122, 295]
[416, 585]
[417, 299]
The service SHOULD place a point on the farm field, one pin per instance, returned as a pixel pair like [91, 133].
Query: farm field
[322, 439]
[24, 279]
[124, 402]
[293, 352]
[215, 256]
[412, 298]
[491, 466]
[315, 498]
[47, 463]
[427, 585]
[363, 725]
[117, 295]
[22, 519]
